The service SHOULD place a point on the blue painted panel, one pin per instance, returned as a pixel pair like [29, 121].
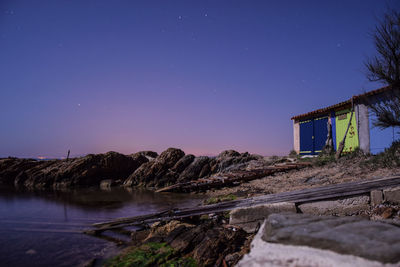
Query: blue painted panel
[306, 137]
[380, 139]
[333, 121]
[320, 133]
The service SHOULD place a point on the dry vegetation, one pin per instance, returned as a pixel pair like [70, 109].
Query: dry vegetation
[325, 171]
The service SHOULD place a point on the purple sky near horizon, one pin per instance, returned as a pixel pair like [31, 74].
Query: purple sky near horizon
[203, 76]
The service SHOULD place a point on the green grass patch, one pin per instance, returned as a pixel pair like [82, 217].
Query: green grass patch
[150, 254]
[214, 200]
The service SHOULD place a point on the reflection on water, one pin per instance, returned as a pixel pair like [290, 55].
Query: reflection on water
[44, 228]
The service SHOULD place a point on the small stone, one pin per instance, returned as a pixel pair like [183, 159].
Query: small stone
[232, 258]
[387, 213]
[376, 197]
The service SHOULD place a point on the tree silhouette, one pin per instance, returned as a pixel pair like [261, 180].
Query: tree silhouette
[385, 68]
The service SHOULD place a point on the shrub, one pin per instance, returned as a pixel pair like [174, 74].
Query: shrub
[293, 154]
[389, 158]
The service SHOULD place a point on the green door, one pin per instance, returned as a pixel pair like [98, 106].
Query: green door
[342, 118]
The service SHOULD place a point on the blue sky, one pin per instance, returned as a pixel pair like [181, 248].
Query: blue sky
[204, 76]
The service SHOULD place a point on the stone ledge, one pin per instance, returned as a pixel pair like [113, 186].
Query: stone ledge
[392, 195]
[266, 254]
[346, 235]
[340, 207]
[249, 219]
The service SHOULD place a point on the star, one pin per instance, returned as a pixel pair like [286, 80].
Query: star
[180, 17]
[79, 105]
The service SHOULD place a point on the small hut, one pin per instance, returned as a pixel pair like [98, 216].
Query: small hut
[310, 130]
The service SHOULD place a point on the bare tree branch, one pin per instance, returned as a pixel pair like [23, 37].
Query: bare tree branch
[385, 67]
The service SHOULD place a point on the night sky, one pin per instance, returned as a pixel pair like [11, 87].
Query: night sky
[203, 76]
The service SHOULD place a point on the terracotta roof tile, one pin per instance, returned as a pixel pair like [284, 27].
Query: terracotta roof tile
[341, 104]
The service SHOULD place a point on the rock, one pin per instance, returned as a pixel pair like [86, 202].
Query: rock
[230, 160]
[213, 165]
[107, 184]
[208, 242]
[250, 219]
[166, 232]
[138, 236]
[78, 172]
[170, 156]
[228, 153]
[266, 254]
[341, 207]
[151, 174]
[183, 163]
[347, 235]
[11, 167]
[376, 197]
[231, 259]
[215, 243]
[205, 171]
[193, 171]
[392, 195]
[387, 213]
[148, 154]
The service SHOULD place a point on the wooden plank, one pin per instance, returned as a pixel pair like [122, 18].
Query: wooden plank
[298, 196]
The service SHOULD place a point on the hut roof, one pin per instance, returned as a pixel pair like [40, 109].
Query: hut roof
[341, 104]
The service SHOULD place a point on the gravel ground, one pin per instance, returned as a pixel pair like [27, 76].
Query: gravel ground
[331, 173]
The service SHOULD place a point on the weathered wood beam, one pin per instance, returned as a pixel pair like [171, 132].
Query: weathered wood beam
[298, 196]
[231, 178]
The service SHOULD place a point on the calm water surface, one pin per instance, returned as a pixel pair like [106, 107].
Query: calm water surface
[45, 228]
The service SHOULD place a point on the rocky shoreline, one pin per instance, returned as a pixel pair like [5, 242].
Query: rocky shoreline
[223, 239]
[143, 169]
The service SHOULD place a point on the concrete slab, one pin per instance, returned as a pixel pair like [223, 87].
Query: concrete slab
[265, 254]
[392, 195]
[376, 197]
[251, 218]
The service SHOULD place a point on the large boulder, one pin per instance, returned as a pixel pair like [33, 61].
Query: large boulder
[346, 235]
[172, 175]
[208, 242]
[192, 172]
[231, 160]
[79, 172]
[150, 173]
[183, 163]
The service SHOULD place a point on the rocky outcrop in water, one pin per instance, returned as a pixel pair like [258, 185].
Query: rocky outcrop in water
[145, 169]
[173, 166]
[11, 167]
[152, 173]
[77, 172]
